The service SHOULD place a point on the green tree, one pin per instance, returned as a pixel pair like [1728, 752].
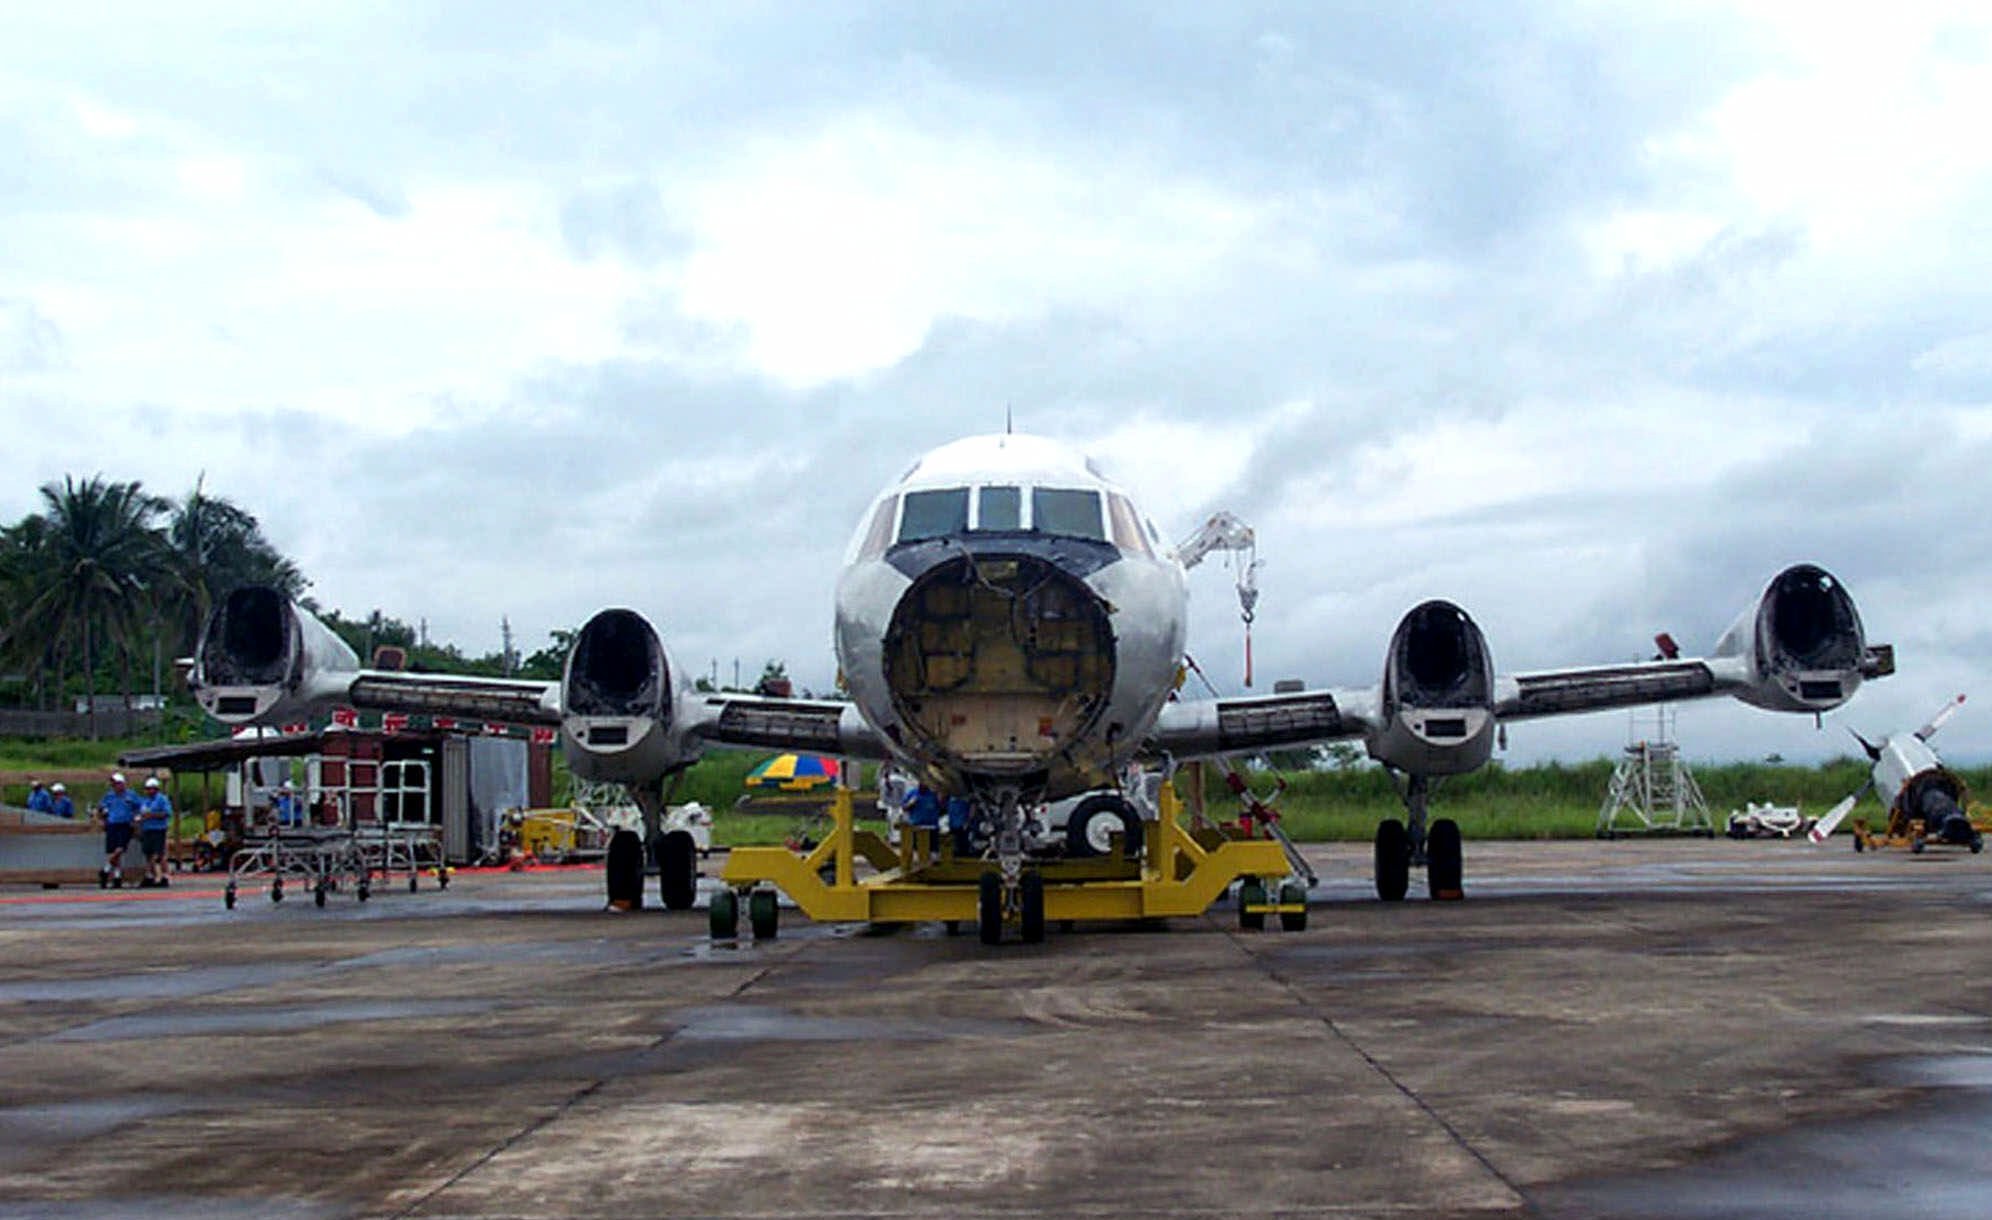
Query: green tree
[97, 556]
[217, 546]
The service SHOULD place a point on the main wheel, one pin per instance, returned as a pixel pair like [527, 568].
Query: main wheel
[1393, 860]
[1445, 872]
[1251, 894]
[989, 908]
[725, 912]
[677, 870]
[623, 870]
[763, 915]
[1090, 829]
[1030, 908]
[1290, 893]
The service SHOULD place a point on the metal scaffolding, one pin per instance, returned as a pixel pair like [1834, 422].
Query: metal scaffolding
[1652, 789]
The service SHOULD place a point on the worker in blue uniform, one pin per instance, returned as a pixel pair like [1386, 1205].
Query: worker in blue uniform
[155, 813]
[59, 803]
[118, 811]
[39, 801]
[288, 810]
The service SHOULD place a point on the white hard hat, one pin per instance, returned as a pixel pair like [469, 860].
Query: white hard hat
[152, 781]
[58, 787]
[117, 777]
[289, 787]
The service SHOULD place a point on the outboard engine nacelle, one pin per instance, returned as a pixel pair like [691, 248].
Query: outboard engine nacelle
[1438, 694]
[1803, 643]
[616, 702]
[262, 658]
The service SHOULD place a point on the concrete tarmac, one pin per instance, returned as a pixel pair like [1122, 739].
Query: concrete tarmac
[1678, 1028]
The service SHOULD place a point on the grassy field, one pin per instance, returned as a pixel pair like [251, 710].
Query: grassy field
[1546, 801]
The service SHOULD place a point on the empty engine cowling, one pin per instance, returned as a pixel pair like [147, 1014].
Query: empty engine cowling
[616, 702]
[1803, 642]
[1438, 694]
[262, 658]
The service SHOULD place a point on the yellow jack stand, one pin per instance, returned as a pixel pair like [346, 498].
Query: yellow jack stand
[1178, 873]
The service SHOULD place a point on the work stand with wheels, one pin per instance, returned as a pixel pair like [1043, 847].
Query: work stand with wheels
[1173, 871]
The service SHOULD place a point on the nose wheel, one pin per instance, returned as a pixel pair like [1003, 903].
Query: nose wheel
[992, 903]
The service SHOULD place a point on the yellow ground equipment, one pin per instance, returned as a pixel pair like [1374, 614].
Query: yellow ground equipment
[1905, 831]
[1176, 871]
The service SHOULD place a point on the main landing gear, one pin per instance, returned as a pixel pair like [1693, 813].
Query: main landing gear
[674, 854]
[1402, 846]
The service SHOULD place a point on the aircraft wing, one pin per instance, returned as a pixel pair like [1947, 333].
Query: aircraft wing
[1556, 692]
[1268, 722]
[756, 722]
[511, 700]
[1206, 728]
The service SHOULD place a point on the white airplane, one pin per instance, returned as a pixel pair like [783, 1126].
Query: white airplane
[1913, 784]
[1011, 628]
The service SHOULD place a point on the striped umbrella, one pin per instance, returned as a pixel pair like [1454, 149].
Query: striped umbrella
[793, 772]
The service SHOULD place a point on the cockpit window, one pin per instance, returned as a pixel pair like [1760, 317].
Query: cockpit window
[999, 508]
[879, 536]
[1127, 526]
[933, 514]
[1072, 514]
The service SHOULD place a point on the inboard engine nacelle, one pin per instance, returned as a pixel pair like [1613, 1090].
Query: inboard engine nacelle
[263, 658]
[617, 717]
[1438, 694]
[1802, 644]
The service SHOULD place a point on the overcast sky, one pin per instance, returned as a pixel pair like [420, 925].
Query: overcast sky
[1589, 317]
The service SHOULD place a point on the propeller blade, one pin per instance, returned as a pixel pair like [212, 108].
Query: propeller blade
[1937, 721]
[1823, 828]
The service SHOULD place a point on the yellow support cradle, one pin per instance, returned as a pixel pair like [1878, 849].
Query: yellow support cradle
[1178, 873]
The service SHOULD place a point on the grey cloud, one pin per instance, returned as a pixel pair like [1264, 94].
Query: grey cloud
[29, 341]
[625, 219]
[384, 199]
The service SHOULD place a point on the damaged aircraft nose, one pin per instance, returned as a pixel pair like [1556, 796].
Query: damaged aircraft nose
[999, 661]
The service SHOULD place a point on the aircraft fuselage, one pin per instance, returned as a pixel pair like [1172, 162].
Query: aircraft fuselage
[1008, 619]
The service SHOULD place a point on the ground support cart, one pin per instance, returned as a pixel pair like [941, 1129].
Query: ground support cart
[1178, 871]
[316, 859]
[387, 850]
[1905, 831]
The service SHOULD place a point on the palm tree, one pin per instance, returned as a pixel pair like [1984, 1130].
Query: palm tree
[101, 554]
[217, 546]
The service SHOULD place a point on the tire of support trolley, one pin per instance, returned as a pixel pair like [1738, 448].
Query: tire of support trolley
[677, 870]
[989, 908]
[1251, 893]
[1445, 870]
[1094, 819]
[725, 912]
[1393, 860]
[1293, 893]
[623, 870]
[1030, 908]
[763, 914]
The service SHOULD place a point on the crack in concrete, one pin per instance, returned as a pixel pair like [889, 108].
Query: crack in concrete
[1341, 1035]
[537, 1125]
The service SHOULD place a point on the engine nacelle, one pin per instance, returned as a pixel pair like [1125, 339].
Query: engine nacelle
[1802, 643]
[1438, 694]
[262, 658]
[616, 700]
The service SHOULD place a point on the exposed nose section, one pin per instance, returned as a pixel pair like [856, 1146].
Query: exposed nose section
[998, 661]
